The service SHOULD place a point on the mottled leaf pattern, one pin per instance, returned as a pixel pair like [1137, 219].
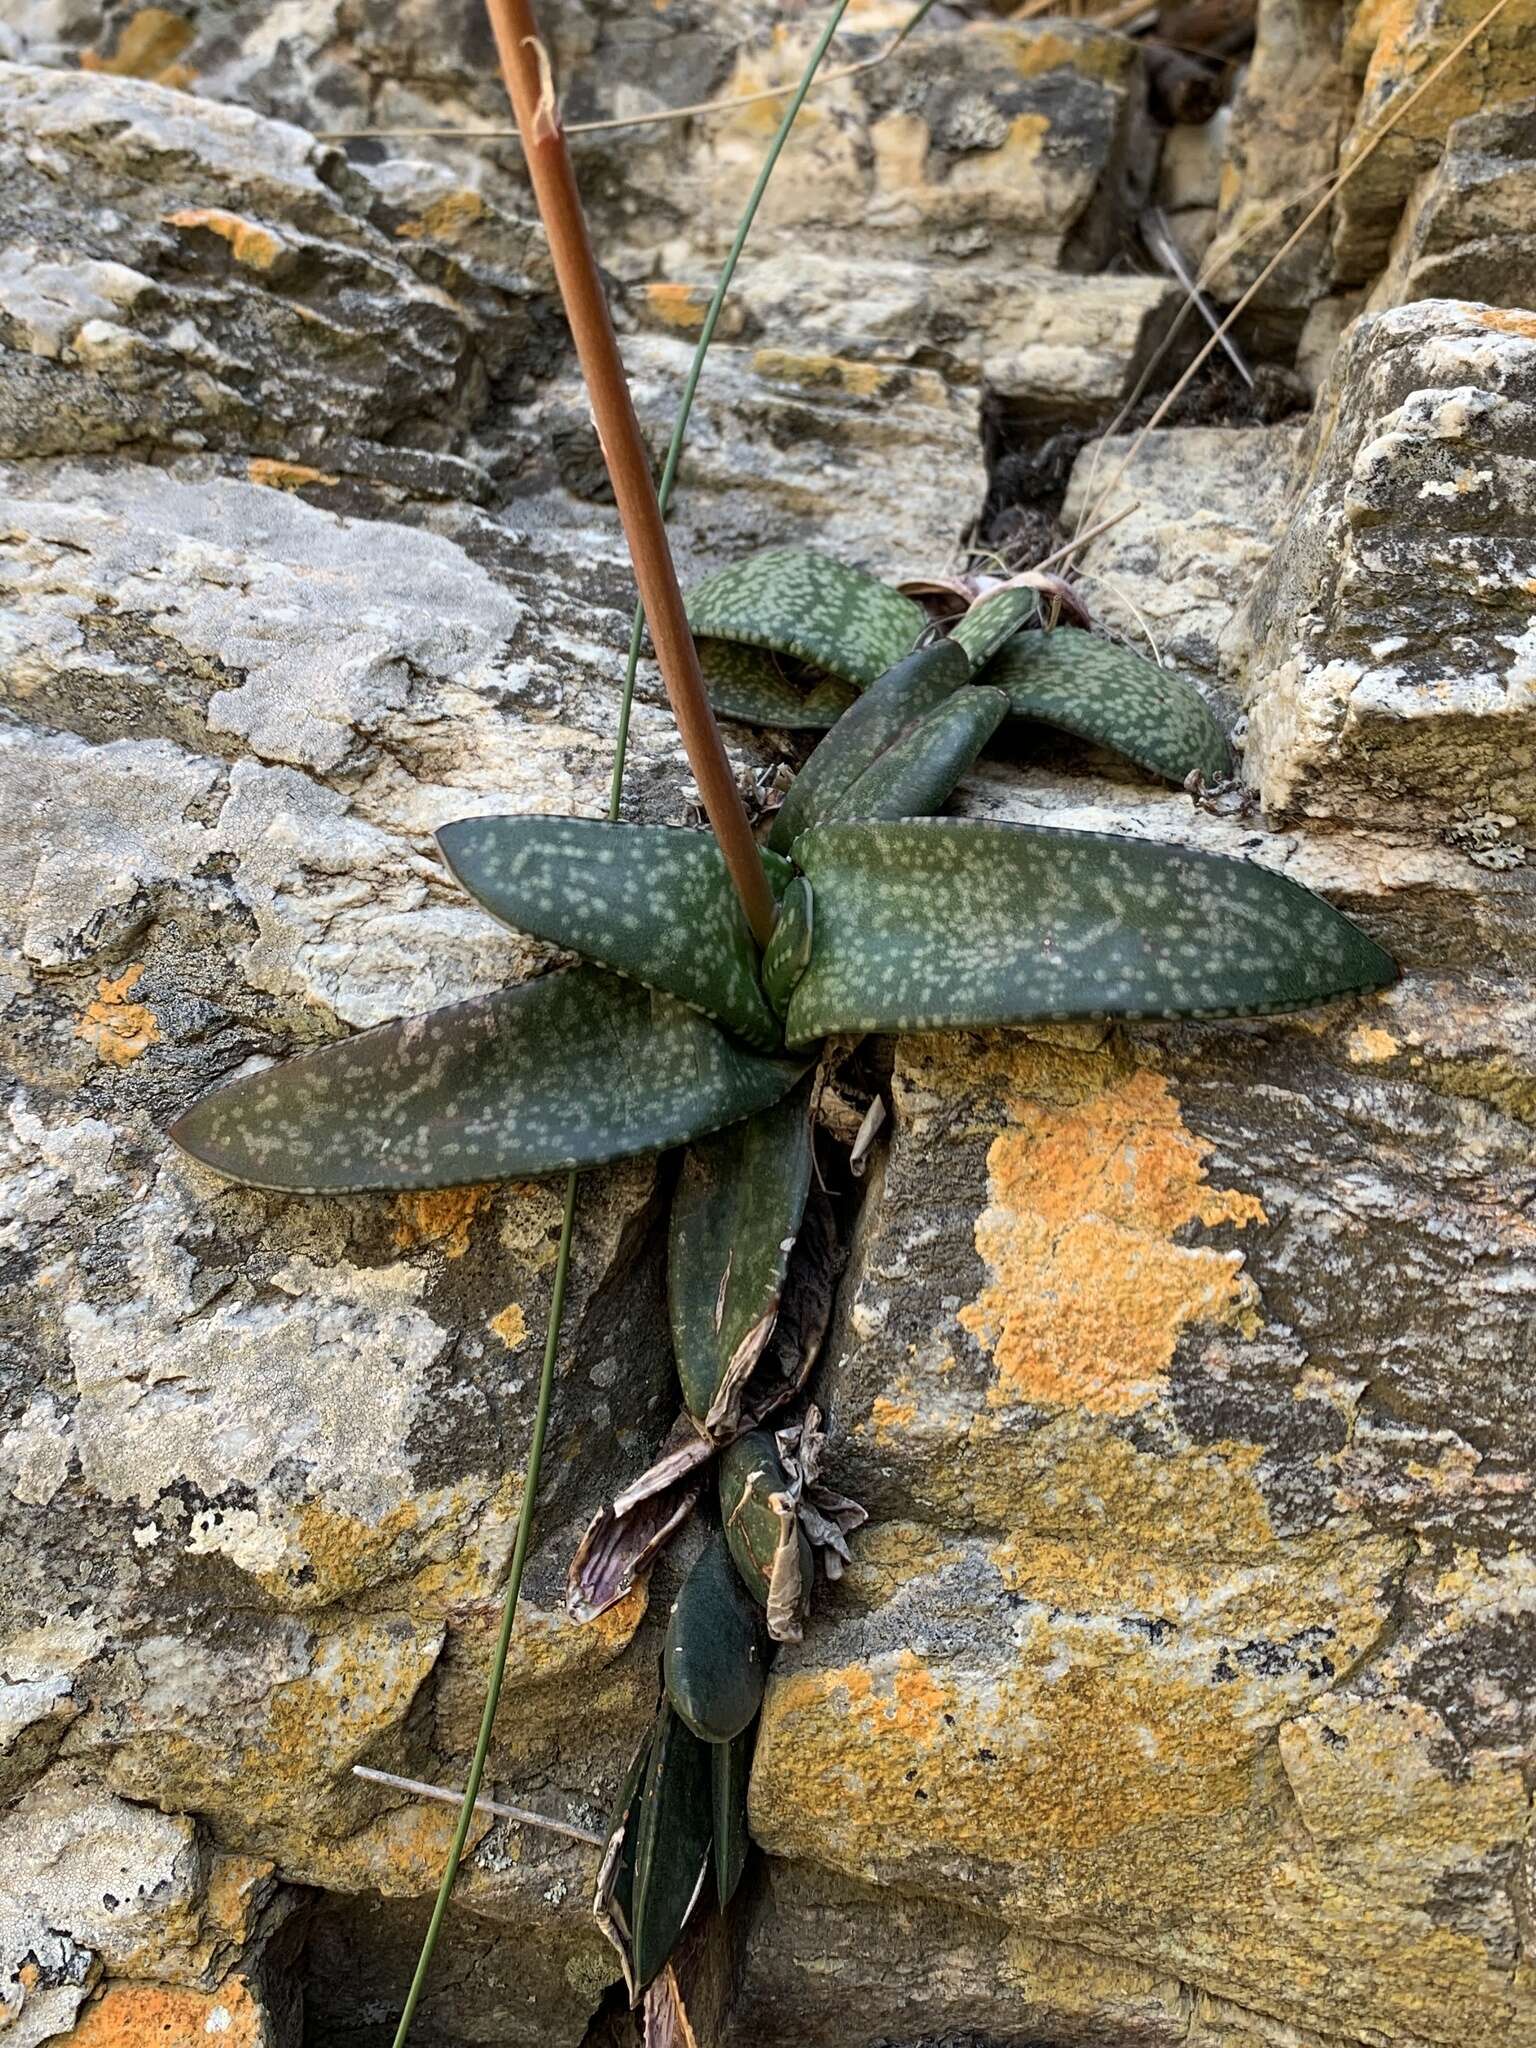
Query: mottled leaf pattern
[994, 619]
[735, 1216]
[914, 776]
[572, 1070]
[676, 1830]
[644, 900]
[930, 925]
[788, 952]
[888, 710]
[1110, 694]
[752, 685]
[837, 619]
[715, 1658]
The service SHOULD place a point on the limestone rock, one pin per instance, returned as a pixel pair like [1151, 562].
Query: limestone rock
[1077, 345]
[1467, 230]
[1282, 146]
[185, 275]
[1203, 507]
[1387, 649]
[1391, 48]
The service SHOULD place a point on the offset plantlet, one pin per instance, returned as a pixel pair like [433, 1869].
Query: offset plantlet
[755, 615]
[679, 1031]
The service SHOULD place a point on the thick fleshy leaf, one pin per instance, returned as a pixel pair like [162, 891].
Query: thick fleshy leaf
[613, 1900]
[841, 621]
[730, 1766]
[938, 924]
[715, 1659]
[1107, 693]
[676, 1831]
[994, 619]
[888, 712]
[572, 1070]
[760, 688]
[735, 1216]
[649, 901]
[913, 777]
[788, 952]
[757, 1512]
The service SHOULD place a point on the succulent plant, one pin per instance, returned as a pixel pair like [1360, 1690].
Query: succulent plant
[677, 1031]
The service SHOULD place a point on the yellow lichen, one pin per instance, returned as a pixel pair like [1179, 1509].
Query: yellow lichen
[257, 247]
[147, 46]
[118, 1029]
[1089, 1291]
[511, 1326]
[285, 476]
[441, 1217]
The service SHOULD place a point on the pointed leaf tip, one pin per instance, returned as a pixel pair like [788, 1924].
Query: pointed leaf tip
[653, 902]
[941, 924]
[572, 1070]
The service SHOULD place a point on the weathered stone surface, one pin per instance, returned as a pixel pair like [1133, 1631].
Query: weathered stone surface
[1392, 46]
[1180, 1691]
[1387, 651]
[1467, 230]
[1203, 507]
[1282, 145]
[1081, 345]
[224, 285]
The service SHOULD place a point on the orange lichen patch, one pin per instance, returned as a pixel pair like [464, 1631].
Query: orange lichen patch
[1047, 49]
[1505, 321]
[119, 1029]
[1369, 1045]
[888, 1418]
[441, 1217]
[147, 47]
[285, 476]
[257, 247]
[170, 2016]
[1089, 1293]
[237, 1885]
[447, 218]
[863, 380]
[677, 305]
[511, 1326]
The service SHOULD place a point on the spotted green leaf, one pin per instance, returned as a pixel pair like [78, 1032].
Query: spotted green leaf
[731, 1771]
[675, 1833]
[994, 619]
[735, 1215]
[715, 1659]
[761, 688]
[840, 621]
[648, 901]
[888, 712]
[937, 924]
[788, 952]
[915, 775]
[1107, 693]
[572, 1070]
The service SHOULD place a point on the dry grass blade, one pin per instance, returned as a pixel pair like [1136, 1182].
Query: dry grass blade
[1315, 214]
[452, 1795]
[698, 109]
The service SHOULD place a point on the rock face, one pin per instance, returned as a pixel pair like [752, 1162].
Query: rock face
[1180, 1691]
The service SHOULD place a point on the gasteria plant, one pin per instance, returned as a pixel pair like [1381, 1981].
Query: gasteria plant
[715, 973]
[678, 1031]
